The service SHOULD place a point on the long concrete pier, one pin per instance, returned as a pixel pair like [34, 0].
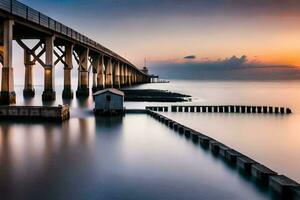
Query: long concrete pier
[57, 43]
[281, 185]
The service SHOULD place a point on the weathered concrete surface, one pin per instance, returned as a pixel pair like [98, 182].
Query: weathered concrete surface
[244, 163]
[283, 185]
[222, 151]
[204, 141]
[262, 173]
[175, 126]
[231, 155]
[214, 146]
[218, 148]
[59, 113]
[180, 129]
[187, 132]
[171, 124]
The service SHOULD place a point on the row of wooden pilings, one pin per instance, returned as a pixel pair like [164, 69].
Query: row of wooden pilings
[224, 109]
[279, 184]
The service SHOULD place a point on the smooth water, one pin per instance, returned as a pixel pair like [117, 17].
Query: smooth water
[131, 157]
[136, 157]
[273, 140]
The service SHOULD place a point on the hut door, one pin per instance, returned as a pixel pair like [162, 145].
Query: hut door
[108, 101]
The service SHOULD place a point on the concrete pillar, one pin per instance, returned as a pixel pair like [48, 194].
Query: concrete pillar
[108, 73]
[67, 92]
[83, 75]
[133, 76]
[95, 68]
[122, 78]
[100, 75]
[94, 87]
[116, 75]
[49, 93]
[28, 85]
[125, 75]
[7, 95]
[129, 76]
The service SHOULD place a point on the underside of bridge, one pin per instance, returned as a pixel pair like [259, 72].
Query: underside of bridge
[55, 47]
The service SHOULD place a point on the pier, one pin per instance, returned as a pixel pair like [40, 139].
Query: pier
[281, 185]
[57, 43]
[37, 113]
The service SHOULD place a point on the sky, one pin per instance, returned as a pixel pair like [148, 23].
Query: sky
[188, 33]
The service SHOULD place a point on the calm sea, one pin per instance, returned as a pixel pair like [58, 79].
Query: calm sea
[273, 140]
[135, 157]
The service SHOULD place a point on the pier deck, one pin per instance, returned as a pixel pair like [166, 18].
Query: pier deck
[44, 113]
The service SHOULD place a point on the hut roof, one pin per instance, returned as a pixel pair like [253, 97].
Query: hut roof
[111, 90]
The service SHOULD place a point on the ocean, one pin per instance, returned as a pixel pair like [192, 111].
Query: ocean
[136, 157]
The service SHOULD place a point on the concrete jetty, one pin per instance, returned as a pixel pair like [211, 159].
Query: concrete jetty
[279, 184]
[43, 113]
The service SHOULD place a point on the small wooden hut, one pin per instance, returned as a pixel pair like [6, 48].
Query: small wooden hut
[109, 102]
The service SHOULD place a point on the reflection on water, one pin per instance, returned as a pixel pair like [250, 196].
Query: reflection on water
[131, 157]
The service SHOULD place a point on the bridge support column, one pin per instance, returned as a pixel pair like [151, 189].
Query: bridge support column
[7, 95]
[122, 75]
[83, 79]
[67, 92]
[94, 87]
[95, 67]
[28, 88]
[133, 78]
[108, 74]
[49, 93]
[129, 76]
[116, 75]
[100, 77]
[125, 75]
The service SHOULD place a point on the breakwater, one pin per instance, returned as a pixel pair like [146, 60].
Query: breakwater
[151, 95]
[224, 109]
[283, 186]
[41, 113]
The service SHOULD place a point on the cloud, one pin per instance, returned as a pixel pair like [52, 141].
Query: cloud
[190, 57]
[232, 68]
[235, 61]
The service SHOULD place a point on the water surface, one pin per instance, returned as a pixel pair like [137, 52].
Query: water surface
[273, 140]
[131, 157]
